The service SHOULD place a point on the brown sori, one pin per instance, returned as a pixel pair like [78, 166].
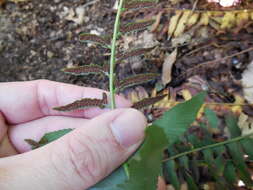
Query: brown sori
[84, 103]
[84, 70]
[147, 102]
[136, 26]
[135, 80]
[93, 38]
[139, 4]
[132, 53]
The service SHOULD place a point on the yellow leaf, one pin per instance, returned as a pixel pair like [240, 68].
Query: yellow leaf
[204, 19]
[186, 94]
[242, 17]
[182, 23]
[173, 22]
[193, 19]
[239, 100]
[228, 20]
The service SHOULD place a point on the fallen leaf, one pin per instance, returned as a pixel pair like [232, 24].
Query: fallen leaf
[182, 23]
[228, 21]
[247, 83]
[245, 124]
[173, 22]
[170, 59]
[76, 16]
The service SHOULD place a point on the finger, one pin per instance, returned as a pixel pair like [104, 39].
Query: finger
[79, 159]
[36, 129]
[25, 101]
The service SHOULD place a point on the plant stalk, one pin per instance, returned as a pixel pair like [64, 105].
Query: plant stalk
[112, 64]
[208, 147]
[113, 53]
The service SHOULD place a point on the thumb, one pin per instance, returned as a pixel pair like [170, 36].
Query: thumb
[79, 159]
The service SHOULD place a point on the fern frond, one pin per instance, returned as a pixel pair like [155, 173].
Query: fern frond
[147, 102]
[133, 53]
[86, 37]
[136, 26]
[135, 80]
[84, 103]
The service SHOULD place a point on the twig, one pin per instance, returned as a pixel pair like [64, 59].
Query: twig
[90, 3]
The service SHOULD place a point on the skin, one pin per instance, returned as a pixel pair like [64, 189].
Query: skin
[102, 139]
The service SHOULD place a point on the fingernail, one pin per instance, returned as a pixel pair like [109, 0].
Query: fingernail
[128, 128]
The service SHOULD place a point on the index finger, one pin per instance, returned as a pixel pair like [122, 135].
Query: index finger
[25, 101]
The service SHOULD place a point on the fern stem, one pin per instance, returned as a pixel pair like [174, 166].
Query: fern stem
[112, 65]
[113, 53]
[208, 147]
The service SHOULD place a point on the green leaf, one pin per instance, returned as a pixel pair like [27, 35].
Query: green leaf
[52, 136]
[212, 118]
[111, 182]
[178, 119]
[237, 155]
[247, 145]
[146, 165]
[233, 128]
[230, 173]
[172, 174]
[190, 182]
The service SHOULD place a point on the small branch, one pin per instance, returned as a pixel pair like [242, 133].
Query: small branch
[90, 3]
[208, 147]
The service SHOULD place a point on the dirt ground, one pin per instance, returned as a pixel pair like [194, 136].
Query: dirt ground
[37, 41]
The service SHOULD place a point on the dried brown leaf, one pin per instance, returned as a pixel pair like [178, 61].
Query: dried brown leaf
[169, 61]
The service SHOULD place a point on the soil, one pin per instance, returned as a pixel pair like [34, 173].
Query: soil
[37, 41]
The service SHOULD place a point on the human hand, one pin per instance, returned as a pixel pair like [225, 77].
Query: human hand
[102, 140]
